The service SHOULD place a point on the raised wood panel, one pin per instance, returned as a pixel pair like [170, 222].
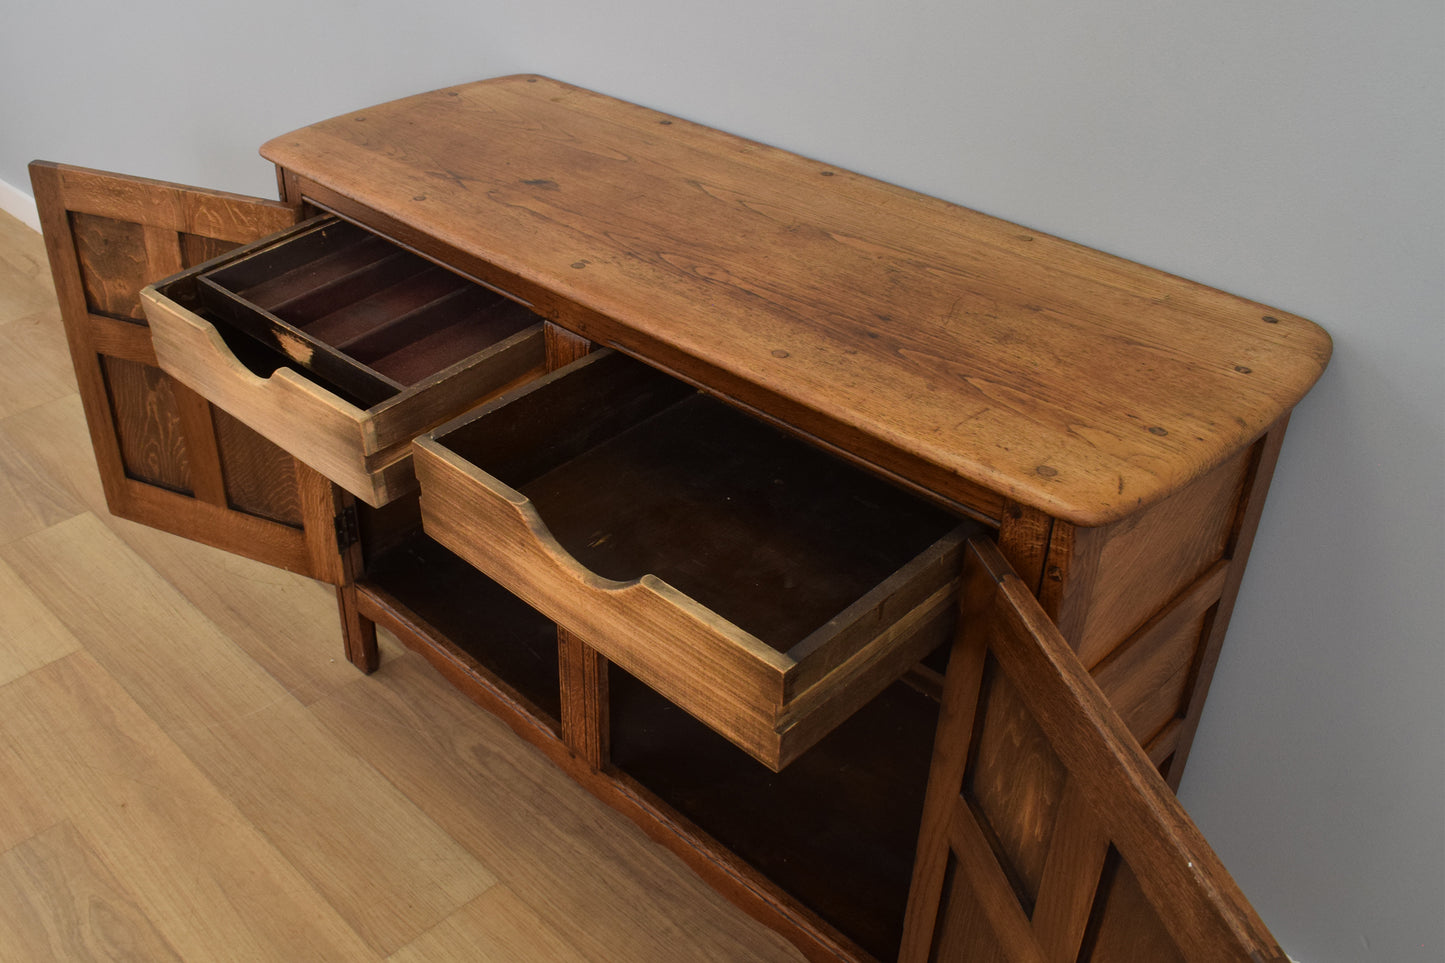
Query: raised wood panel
[1149, 678]
[161, 456]
[1263, 458]
[1112, 796]
[260, 478]
[197, 248]
[1149, 683]
[1129, 930]
[148, 424]
[1016, 786]
[113, 264]
[1067, 895]
[959, 915]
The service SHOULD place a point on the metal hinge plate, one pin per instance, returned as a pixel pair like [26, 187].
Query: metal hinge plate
[348, 528]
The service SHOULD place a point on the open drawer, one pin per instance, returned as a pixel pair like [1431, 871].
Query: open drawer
[766, 587]
[340, 347]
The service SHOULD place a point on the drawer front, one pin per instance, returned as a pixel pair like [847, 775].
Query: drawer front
[763, 586]
[340, 362]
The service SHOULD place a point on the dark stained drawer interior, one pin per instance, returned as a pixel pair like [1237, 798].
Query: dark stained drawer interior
[775, 536]
[341, 346]
[764, 585]
[366, 315]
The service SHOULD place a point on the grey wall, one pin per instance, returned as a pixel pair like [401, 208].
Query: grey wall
[1291, 151]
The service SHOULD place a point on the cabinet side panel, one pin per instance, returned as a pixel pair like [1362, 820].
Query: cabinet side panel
[1148, 559]
[1145, 601]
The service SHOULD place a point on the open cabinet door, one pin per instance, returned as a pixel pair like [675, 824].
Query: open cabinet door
[1048, 835]
[167, 458]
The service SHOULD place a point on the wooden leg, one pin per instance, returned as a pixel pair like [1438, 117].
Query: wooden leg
[585, 725]
[358, 632]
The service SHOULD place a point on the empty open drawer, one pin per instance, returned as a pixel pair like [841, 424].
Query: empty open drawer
[340, 347]
[764, 586]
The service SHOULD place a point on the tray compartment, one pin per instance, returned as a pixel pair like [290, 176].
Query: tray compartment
[365, 345]
[764, 586]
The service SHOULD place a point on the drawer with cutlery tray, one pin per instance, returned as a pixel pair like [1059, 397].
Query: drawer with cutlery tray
[341, 346]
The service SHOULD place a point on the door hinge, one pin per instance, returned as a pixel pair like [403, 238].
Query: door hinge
[348, 528]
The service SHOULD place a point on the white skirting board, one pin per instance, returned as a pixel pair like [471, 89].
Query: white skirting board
[18, 204]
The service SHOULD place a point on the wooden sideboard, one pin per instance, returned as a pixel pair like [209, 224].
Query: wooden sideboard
[667, 447]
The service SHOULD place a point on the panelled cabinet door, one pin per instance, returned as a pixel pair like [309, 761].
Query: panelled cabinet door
[1048, 835]
[167, 458]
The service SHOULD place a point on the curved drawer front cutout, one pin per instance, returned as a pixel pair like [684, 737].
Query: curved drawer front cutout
[764, 586]
[340, 347]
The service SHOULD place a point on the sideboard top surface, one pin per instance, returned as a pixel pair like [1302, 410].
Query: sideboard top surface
[955, 350]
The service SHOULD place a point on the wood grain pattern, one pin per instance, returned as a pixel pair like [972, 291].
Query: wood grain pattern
[198, 427]
[828, 300]
[155, 445]
[246, 734]
[58, 902]
[42, 372]
[1124, 573]
[585, 725]
[285, 624]
[1023, 537]
[148, 424]
[1130, 930]
[213, 886]
[593, 877]
[1108, 417]
[1071, 877]
[726, 676]
[564, 347]
[986, 894]
[79, 751]
[218, 215]
[1263, 459]
[32, 494]
[113, 265]
[30, 634]
[1147, 677]
[363, 450]
[197, 248]
[1016, 785]
[760, 584]
[497, 925]
[260, 478]
[957, 721]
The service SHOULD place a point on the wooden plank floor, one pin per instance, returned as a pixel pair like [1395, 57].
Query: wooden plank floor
[189, 769]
